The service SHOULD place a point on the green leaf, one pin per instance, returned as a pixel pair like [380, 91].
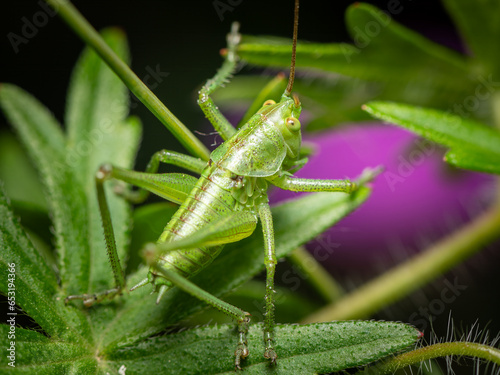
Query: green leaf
[97, 132]
[17, 173]
[296, 222]
[386, 60]
[381, 41]
[97, 98]
[377, 55]
[37, 354]
[473, 145]
[473, 160]
[36, 223]
[307, 349]
[33, 284]
[478, 24]
[43, 139]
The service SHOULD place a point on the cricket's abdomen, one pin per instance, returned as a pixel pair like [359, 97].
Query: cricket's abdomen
[210, 199]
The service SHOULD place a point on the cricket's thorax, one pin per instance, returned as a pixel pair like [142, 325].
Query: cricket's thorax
[217, 193]
[256, 150]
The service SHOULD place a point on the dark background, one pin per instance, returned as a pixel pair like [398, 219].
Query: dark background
[184, 38]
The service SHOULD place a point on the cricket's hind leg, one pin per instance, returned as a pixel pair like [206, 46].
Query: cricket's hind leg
[225, 229]
[171, 186]
[270, 261]
[242, 317]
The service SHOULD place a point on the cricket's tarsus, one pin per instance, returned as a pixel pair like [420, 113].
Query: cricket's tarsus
[225, 203]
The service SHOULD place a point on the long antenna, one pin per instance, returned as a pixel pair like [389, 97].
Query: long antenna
[291, 78]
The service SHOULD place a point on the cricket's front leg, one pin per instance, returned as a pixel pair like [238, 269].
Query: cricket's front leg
[287, 182]
[266, 219]
[211, 111]
[164, 156]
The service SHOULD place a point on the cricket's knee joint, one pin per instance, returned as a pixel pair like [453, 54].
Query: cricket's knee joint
[104, 172]
[203, 96]
[202, 99]
[161, 155]
[234, 37]
[271, 263]
[245, 320]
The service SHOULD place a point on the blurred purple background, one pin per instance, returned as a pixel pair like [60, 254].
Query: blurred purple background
[417, 198]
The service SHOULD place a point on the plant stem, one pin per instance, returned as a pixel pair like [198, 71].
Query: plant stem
[439, 350]
[495, 108]
[414, 273]
[92, 38]
[315, 274]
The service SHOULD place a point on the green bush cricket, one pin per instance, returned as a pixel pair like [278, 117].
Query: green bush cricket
[225, 203]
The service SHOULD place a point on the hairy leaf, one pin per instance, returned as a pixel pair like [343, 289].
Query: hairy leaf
[307, 349]
[296, 222]
[17, 173]
[37, 354]
[33, 285]
[43, 139]
[97, 132]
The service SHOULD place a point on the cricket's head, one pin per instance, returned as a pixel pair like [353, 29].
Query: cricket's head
[284, 115]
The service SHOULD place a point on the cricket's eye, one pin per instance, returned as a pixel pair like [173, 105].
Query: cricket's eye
[293, 124]
[268, 102]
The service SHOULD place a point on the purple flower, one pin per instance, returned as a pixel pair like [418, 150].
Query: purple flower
[417, 198]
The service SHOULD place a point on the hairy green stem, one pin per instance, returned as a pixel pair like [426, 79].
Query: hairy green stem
[495, 107]
[92, 38]
[414, 273]
[316, 275]
[470, 349]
